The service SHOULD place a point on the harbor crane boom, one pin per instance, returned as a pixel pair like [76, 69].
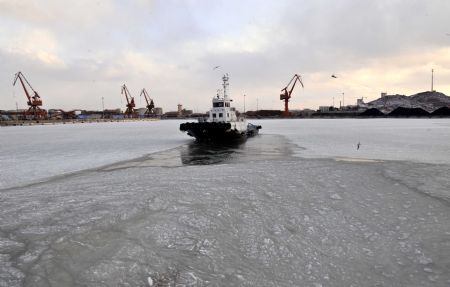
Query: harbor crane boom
[34, 102]
[286, 92]
[130, 101]
[149, 101]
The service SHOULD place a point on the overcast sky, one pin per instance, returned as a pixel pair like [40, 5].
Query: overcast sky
[76, 52]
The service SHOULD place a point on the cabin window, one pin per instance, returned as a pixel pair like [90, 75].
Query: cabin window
[214, 115]
[220, 115]
[227, 104]
[217, 104]
[228, 115]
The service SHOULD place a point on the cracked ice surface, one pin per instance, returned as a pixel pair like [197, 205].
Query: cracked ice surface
[255, 217]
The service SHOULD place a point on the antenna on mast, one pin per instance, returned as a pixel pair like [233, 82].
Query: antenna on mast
[225, 84]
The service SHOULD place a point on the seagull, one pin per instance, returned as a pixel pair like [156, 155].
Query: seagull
[216, 67]
[334, 76]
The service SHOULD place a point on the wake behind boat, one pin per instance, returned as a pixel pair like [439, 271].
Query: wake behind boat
[222, 124]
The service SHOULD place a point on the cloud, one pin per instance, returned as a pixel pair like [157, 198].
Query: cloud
[89, 48]
[35, 44]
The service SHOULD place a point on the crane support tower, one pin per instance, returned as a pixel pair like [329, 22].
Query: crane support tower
[129, 112]
[149, 101]
[34, 102]
[287, 91]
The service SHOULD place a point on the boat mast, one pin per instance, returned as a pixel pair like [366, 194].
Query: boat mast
[225, 84]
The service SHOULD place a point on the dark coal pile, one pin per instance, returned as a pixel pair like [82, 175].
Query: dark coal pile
[408, 112]
[441, 112]
[374, 112]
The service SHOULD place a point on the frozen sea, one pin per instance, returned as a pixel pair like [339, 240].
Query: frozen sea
[140, 204]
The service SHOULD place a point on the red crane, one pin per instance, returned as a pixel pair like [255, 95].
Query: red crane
[130, 102]
[286, 95]
[150, 104]
[34, 102]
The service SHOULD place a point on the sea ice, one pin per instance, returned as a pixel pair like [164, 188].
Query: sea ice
[117, 214]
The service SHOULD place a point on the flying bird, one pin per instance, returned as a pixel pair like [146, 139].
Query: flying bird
[216, 67]
[334, 76]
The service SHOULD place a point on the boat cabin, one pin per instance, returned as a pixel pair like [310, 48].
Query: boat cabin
[221, 106]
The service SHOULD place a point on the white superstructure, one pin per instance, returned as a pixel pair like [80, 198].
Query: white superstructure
[223, 112]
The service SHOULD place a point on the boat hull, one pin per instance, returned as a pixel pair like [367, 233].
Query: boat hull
[218, 131]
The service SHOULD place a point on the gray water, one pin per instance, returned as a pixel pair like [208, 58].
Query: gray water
[244, 215]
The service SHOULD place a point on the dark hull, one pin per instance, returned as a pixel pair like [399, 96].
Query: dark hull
[218, 132]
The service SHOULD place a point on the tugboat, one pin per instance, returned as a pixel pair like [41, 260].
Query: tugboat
[222, 124]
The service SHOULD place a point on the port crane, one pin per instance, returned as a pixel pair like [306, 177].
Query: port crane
[34, 102]
[130, 101]
[287, 91]
[150, 104]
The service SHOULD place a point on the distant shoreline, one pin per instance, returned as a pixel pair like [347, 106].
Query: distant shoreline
[63, 122]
